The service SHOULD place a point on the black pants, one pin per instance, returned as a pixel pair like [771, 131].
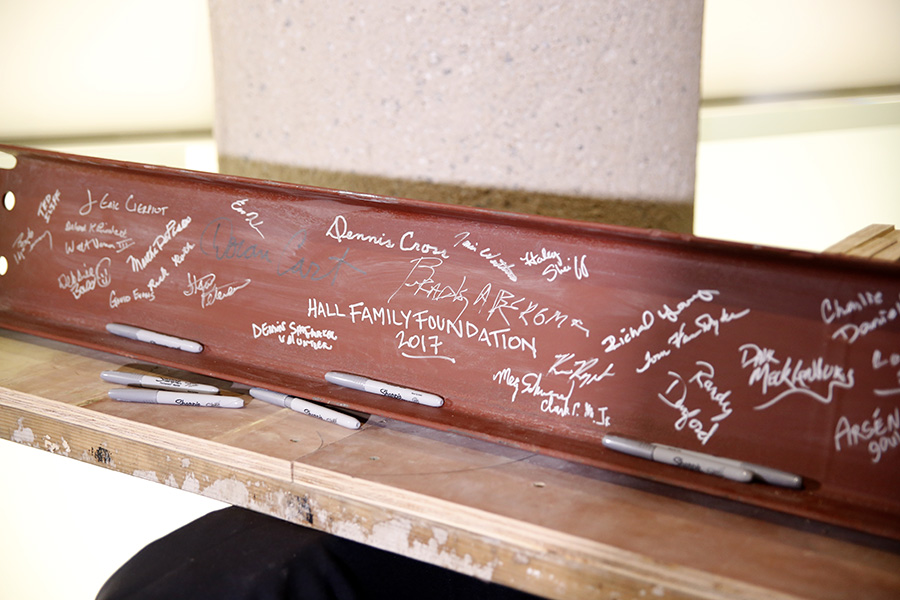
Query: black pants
[237, 554]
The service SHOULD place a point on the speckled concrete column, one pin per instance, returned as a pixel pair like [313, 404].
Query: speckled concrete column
[582, 109]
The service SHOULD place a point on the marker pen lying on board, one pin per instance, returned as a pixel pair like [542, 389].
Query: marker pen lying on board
[156, 382]
[365, 384]
[152, 337]
[675, 456]
[179, 398]
[305, 407]
[767, 474]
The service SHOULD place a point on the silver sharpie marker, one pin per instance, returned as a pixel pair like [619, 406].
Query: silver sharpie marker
[156, 382]
[175, 398]
[152, 337]
[676, 456]
[767, 474]
[372, 386]
[307, 408]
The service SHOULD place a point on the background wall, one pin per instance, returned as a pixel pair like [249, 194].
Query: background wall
[104, 68]
[799, 142]
[800, 121]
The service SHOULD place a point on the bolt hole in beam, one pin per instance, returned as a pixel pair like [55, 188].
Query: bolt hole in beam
[9, 202]
[7, 160]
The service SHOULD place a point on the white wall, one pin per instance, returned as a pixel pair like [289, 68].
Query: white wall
[799, 157]
[769, 48]
[796, 174]
[104, 67]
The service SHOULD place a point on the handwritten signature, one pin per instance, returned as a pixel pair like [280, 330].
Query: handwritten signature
[556, 264]
[251, 217]
[557, 401]
[210, 292]
[25, 242]
[792, 377]
[218, 240]
[81, 281]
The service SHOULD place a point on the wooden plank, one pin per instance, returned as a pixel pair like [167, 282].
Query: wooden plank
[892, 251]
[872, 247]
[544, 525]
[864, 235]
[82, 420]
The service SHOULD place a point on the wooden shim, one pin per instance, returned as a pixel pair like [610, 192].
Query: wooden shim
[873, 247]
[892, 251]
[853, 241]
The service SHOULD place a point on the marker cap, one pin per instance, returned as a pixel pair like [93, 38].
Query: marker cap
[355, 382]
[120, 378]
[626, 446]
